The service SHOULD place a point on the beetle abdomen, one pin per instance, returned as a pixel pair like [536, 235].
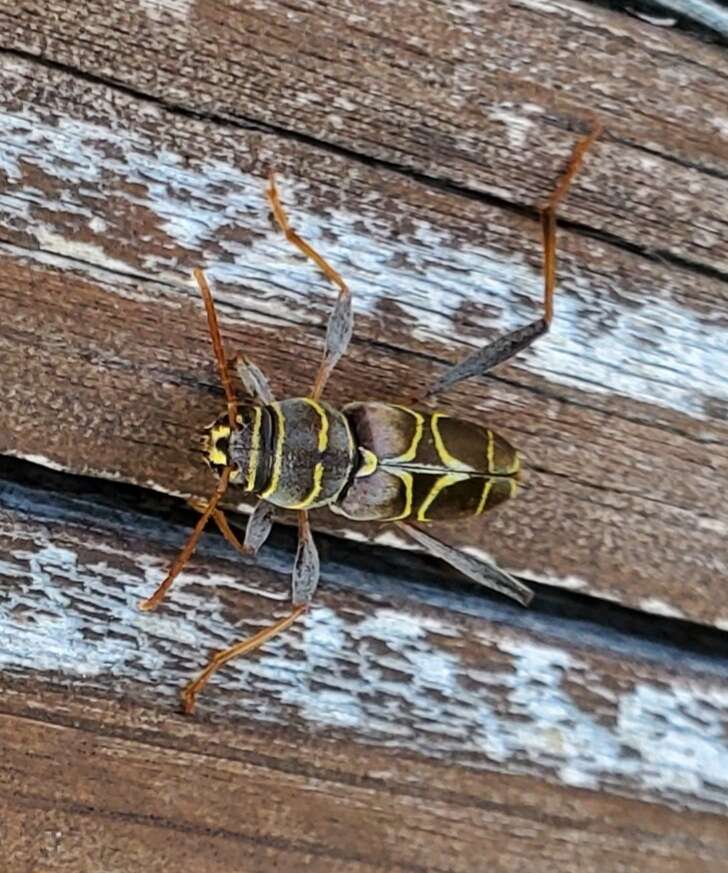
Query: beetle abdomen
[425, 466]
[404, 437]
[311, 454]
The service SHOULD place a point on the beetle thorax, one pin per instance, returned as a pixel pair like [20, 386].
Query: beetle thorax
[245, 449]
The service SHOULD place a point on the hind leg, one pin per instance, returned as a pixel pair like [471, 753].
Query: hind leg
[505, 347]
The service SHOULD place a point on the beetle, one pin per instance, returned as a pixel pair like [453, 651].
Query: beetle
[366, 461]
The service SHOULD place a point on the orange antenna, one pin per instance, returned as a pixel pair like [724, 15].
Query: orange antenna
[217, 345]
[184, 556]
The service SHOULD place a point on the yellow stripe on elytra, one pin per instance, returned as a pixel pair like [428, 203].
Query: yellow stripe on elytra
[490, 452]
[441, 483]
[407, 481]
[254, 450]
[411, 452]
[515, 466]
[275, 476]
[484, 498]
[447, 459]
[318, 476]
[323, 435]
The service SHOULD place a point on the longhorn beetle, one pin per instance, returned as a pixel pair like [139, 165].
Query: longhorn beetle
[367, 461]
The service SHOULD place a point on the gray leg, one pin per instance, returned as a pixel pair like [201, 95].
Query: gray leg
[258, 527]
[479, 571]
[338, 335]
[512, 343]
[253, 380]
[338, 332]
[306, 566]
[482, 360]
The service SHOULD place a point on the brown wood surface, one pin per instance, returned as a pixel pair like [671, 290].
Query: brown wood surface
[409, 722]
[399, 727]
[105, 217]
[152, 793]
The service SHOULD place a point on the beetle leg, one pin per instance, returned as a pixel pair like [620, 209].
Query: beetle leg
[218, 516]
[339, 328]
[305, 580]
[306, 566]
[193, 688]
[258, 527]
[482, 572]
[253, 379]
[257, 530]
[505, 347]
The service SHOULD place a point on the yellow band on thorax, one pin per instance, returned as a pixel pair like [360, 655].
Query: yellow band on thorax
[254, 450]
[275, 477]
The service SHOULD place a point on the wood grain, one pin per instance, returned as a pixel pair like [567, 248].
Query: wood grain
[394, 660]
[109, 201]
[400, 727]
[472, 94]
[322, 807]
[409, 722]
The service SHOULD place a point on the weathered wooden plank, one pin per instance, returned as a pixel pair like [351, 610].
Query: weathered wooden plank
[393, 663]
[109, 200]
[101, 783]
[473, 94]
[98, 782]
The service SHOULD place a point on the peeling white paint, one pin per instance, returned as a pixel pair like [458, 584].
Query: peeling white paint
[58, 244]
[605, 339]
[164, 10]
[514, 118]
[394, 679]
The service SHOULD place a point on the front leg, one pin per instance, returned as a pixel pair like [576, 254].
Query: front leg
[257, 529]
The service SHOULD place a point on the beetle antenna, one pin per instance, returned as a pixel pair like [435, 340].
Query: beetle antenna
[217, 345]
[189, 547]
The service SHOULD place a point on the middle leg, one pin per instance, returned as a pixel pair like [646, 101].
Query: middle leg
[304, 581]
[341, 320]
